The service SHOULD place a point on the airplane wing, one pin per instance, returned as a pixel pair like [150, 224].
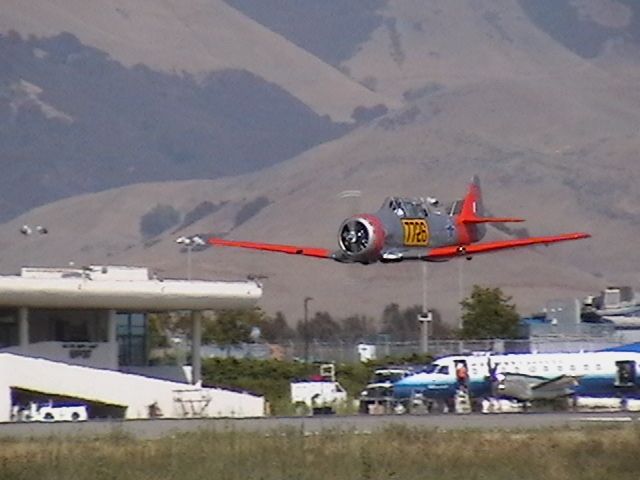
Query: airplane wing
[270, 247]
[557, 387]
[442, 253]
[435, 254]
[529, 387]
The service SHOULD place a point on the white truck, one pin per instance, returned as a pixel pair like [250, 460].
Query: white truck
[319, 395]
[48, 412]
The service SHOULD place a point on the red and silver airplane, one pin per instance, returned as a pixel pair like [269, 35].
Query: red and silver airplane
[412, 229]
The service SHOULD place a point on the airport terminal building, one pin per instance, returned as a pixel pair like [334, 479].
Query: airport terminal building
[71, 333]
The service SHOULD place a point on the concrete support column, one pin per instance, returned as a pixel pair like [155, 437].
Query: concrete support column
[196, 341]
[23, 329]
[112, 338]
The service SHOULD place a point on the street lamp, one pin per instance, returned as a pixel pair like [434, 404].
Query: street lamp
[306, 328]
[189, 243]
[28, 230]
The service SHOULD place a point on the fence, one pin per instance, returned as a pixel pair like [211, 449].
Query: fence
[349, 352]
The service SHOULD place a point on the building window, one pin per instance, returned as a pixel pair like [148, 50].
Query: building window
[132, 339]
[8, 328]
[70, 330]
[67, 325]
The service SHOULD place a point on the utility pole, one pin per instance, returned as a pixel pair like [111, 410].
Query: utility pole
[306, 328]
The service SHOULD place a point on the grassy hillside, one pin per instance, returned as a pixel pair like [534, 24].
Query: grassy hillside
[193, 37]
[72, 120]
[331, 30]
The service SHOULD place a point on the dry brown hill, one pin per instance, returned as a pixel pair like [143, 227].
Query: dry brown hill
[552, 133]
[194, 37]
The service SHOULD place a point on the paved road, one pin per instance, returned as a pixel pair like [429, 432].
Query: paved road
[314, 425]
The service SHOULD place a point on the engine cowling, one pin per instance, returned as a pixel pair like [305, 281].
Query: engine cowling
[361, 238]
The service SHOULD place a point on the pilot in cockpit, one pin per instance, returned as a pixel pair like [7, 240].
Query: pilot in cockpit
[396, 206]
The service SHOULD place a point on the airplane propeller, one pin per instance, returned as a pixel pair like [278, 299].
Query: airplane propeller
[354, 236]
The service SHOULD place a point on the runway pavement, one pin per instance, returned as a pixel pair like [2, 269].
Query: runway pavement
[361, 424]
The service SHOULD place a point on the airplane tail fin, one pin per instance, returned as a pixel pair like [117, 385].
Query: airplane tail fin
[472, 211]
[471, 220]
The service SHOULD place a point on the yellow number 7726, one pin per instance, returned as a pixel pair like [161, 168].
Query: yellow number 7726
[416, 232]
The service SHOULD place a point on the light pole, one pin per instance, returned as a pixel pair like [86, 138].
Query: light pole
[460, 291]
[28, 230]
[189, 243]
[306, 328]
[424, 317]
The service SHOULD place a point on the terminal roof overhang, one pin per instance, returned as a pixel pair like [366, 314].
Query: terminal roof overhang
[134, 293]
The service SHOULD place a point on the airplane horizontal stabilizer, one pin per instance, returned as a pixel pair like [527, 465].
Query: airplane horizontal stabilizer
[473, 220]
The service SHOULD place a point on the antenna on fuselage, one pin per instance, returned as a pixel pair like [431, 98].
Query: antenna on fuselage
[352, 194]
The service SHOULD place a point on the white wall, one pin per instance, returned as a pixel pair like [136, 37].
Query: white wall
[133, 391]
[88, 354]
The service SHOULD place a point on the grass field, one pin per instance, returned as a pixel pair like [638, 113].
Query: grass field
[397, 453]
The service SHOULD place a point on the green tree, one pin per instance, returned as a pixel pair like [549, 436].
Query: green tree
[487, 313]
[356, 328]
[168, 324]
[276, 329]
[439, 329]
[158, 330]
[402, 325]
[321, 327]
[231, 327]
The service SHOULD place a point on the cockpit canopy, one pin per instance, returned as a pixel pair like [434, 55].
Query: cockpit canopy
[407, 207]
[420, 207]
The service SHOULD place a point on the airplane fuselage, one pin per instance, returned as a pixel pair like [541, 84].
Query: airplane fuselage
[597, 374]
[420, 226]
[403, 228]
